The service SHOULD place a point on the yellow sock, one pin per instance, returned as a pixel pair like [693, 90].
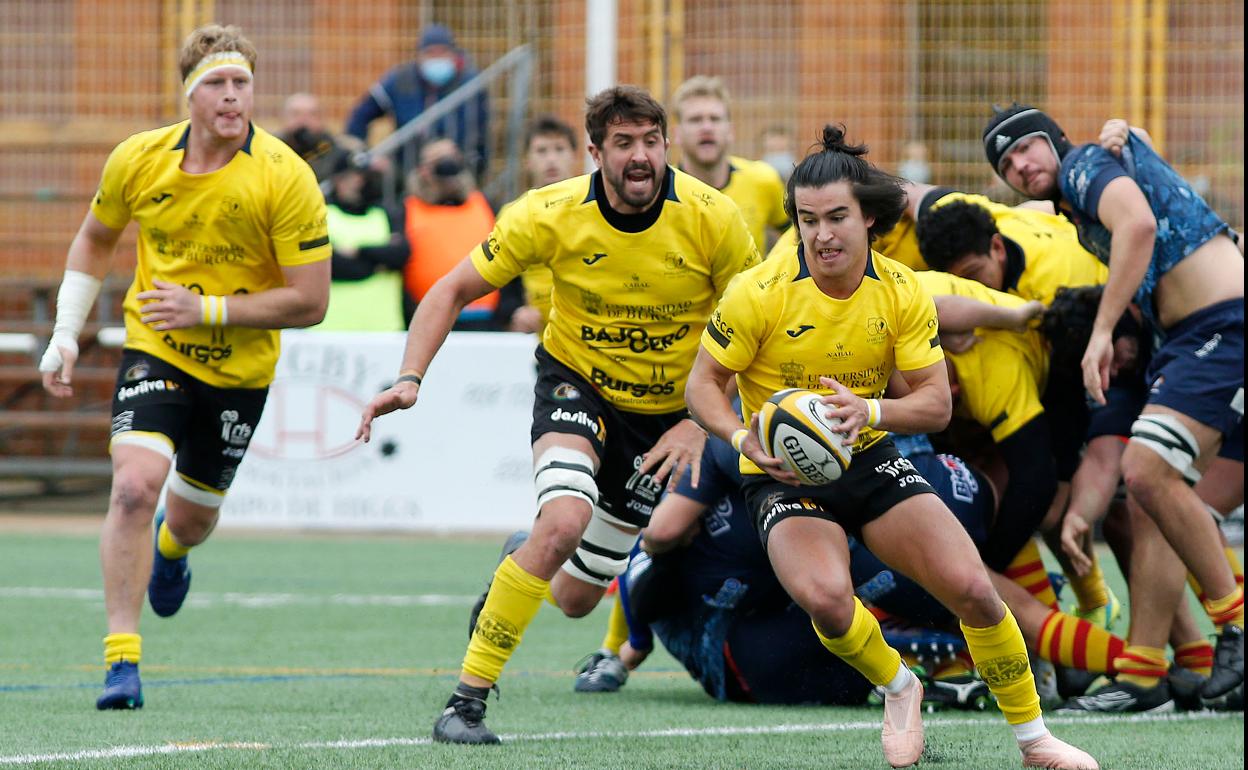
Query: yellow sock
[1076, 643]
[1141, 666]
[617, 627]
[1090, 590]
[514, 599]
[1195, 656]
[169, 547]
[1001, 657]
[864, 648]
[1228, 609]
[549, 597]
[119, 647]
[1028, 571]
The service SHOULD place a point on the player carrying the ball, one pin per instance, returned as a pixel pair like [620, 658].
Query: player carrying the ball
[839, 319]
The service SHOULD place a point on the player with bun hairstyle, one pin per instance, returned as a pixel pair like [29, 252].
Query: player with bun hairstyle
[840, 319]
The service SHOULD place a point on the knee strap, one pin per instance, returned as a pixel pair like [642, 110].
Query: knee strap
[603, 552]
[1169, 438]
[564, 472]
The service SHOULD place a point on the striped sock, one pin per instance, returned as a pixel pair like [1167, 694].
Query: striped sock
[1195, 656]
[1141, 666]
[1028, 571]
[1228, 609]
[1237, 569]
[1076, 643]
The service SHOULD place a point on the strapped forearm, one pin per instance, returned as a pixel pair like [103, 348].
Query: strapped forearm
[77, 294]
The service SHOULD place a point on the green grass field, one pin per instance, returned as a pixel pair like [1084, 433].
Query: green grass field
[309, 652]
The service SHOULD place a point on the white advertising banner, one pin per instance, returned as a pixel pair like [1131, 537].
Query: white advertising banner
[459, 460]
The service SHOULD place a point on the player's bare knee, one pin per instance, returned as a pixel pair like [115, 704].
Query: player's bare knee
[1161, 452]
[555, 543]
[832, 611]
[976, 601]
[575, 598]
[134, 496]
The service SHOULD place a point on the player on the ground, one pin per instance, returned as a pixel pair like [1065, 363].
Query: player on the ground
[232, 246]
[703, 132]
[639, 253]
[779, 326]
[1174, 256]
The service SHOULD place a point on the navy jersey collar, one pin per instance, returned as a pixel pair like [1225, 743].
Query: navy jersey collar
[186, 134]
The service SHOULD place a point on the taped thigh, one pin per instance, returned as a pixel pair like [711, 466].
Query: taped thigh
[603, 552]
[1171, 440]
[564, 472]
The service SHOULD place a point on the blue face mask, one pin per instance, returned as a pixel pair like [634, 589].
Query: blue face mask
[438, 71]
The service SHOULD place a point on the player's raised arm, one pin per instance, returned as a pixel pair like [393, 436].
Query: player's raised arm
[433, 320]
[90, 254]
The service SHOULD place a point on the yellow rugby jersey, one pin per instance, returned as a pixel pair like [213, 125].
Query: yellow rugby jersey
[758, 191]
[1001, 378]
[901, 244]
[538, 281]
[778, 330]
[630, 292]
[1043, 252]
[229, 231]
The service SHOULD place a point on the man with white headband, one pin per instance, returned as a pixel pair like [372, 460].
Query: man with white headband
[1170, 253]
[232, 246]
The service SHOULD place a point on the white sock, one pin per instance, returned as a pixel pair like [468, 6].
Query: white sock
[1030, 730]
[900, 680]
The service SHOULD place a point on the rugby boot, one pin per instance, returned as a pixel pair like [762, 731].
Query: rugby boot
[603, 671]
[1122, 697]
[1228, 663]
[1185, 687]
[1049, 752]
[512, 544]
[903, 725]
[463, 721]
[122, 688]
[965, 692]
[170, 581]
[1073, 682]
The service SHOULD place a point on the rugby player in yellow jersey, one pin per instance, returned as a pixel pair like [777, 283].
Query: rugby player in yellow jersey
[232, 246]
[549, 156]
[1031, 253]
[900, 244]
[840, 319]
[703, 132]
[640, 253]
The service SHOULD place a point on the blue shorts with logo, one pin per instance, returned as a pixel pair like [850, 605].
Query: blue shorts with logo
[1199, 368]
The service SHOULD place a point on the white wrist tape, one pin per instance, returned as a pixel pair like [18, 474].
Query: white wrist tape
[875, 412]
[73, 302]
[214, 311]
[738, 438]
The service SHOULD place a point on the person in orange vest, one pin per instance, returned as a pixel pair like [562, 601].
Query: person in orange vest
[446, 216]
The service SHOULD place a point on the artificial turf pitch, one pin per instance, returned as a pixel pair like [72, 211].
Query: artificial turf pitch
[339, 651]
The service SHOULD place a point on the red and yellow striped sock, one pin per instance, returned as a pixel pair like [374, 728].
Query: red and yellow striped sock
[1141, 666]
[1076, 643]
[1228, 609]
[1237, 569]
[1195, 656]
[1028, 571]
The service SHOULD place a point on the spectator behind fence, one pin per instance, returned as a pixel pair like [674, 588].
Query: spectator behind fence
[304, 130]
[446, 217]
[370, 252]
[409, 89]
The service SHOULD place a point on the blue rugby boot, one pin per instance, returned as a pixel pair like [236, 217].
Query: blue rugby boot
[170, 581]
[122, 688]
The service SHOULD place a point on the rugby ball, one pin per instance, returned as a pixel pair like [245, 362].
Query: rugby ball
[794, 426]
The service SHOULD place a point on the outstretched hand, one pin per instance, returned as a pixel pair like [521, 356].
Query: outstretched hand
[401, 395]
[680, 447]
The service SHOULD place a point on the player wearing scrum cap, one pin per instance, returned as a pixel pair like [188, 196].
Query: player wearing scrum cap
[1169, 252]
[232, 246]
[840, 319]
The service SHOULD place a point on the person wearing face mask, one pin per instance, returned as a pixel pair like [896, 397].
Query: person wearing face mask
[409, 89]
[304, 130]
[370, 251]
[446, 216]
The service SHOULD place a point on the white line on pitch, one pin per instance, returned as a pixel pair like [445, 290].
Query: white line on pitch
[255, 600]
[684, 732]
